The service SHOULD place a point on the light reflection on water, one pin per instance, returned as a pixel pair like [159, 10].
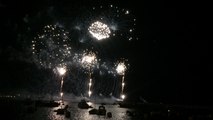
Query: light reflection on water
[19, 110]
[44, 113]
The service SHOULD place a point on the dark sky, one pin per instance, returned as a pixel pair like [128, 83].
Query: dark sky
[171, 61]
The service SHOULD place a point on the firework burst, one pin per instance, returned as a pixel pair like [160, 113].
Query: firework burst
[121, 68]
[108, 23]
[51, 47]
[99, 30]
[105, 22]
[89, 60]
[61, 71]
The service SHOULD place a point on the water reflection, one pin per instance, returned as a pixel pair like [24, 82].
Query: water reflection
[48, 113]
[22, 111]
[83, 114]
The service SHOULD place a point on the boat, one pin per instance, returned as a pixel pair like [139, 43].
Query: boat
[60, 111]
[83, 104]
[101, 110]
[93, 111]
[109, 114]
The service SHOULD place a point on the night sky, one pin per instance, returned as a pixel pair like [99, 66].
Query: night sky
[170, 61]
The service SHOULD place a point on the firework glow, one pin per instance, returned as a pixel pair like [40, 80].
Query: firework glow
[61, 71]
[121, 68]
[51, 47]
[99, 30]
[105, 22]
[89, 60]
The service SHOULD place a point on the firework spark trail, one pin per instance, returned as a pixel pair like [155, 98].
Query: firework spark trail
[89, 60]
[121, 68]
[51, 50]
[61, 71]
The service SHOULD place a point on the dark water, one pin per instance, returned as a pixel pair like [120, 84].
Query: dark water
[19, 110]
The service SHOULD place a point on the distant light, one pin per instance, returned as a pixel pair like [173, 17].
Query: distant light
[61, 93]
[89, 103]
[121, 68]
[89, 93]
[61, 70]
[127, 12]
[88, 59]
[123, 96]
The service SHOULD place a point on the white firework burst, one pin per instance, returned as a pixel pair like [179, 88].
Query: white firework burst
[99, 30]
[121, 68]
[51, 47]
[89, 60]
[102, 22]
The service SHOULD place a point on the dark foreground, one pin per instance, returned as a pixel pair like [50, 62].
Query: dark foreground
[11, 109]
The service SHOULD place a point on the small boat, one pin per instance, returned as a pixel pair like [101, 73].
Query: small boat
[93, 111]
[109, 114]
[101, 110]
[83, 104]
[60, 111]
[63, 111]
